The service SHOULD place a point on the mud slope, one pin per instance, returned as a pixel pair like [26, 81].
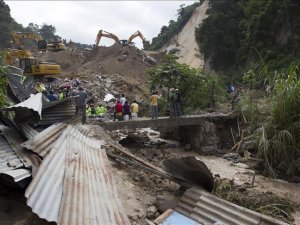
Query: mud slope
[185, 41]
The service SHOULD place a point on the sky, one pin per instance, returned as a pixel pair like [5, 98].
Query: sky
[80, 21]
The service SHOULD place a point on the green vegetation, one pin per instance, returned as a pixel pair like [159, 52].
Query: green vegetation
[279, 136]
[7, 24]
[261, 202]
[3, 85]
[174, 27]
[193, 85]
[275, 120]
[235, 30]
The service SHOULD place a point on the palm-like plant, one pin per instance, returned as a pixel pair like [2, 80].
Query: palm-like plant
[279, 137]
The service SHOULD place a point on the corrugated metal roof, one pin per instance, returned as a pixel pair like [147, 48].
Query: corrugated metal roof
[208, 209]
[33, 103]
[8, 158]
[15, 139]
[14, 76]
[27, 130]
[58, 113]
[43, 142]
[74, 184]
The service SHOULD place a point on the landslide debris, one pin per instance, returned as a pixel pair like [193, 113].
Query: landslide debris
[115, 69]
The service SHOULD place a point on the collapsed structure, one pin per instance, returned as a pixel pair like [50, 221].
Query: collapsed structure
[72, 181]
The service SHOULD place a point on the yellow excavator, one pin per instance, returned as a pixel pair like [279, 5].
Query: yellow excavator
[146, 43]
[29, 65]
[103, 33]
[41, 44]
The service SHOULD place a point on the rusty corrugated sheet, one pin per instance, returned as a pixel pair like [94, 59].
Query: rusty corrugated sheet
[74, 184]
[43, 142]
[206, 208]
[8, 158]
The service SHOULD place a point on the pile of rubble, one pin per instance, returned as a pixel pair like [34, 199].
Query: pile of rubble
[116, 70]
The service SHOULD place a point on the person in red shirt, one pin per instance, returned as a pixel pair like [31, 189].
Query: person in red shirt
[118, 109]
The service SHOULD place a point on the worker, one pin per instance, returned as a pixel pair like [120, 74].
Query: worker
[80, 103]
[134, 109]
[39, 87]
[118, 110]
[100, 110]
[61, 95]
[52, 96]
[154, 105]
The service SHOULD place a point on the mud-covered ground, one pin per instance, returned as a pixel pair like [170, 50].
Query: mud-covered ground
[145, 195]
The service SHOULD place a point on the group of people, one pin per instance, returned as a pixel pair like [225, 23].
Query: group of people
[63, 91]
[123, 109]
[175, 104]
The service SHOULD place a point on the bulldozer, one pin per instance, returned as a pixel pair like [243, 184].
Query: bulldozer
[29, 64]
[42, 44]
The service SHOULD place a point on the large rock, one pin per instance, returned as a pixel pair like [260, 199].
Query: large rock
[191, 170]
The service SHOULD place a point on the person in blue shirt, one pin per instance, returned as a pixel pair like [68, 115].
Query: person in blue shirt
[52, 96]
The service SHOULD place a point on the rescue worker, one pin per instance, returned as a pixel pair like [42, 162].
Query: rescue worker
[100, 110]
[39, 87]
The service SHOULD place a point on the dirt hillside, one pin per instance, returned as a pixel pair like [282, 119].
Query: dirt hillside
[185, 43]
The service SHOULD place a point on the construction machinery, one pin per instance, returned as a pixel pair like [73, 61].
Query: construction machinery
[41, 44]
[146, 43]
[103, 33]
[29, 65]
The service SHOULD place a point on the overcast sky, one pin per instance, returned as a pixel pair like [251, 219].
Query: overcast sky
[81, 20]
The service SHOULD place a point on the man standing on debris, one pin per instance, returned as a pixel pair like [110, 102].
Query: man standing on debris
[154, 105]
[80, 102]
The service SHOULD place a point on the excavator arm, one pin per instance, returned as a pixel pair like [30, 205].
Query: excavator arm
[103, 33]
[146, 43]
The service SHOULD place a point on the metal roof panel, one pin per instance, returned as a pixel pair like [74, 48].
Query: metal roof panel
[74, 184]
